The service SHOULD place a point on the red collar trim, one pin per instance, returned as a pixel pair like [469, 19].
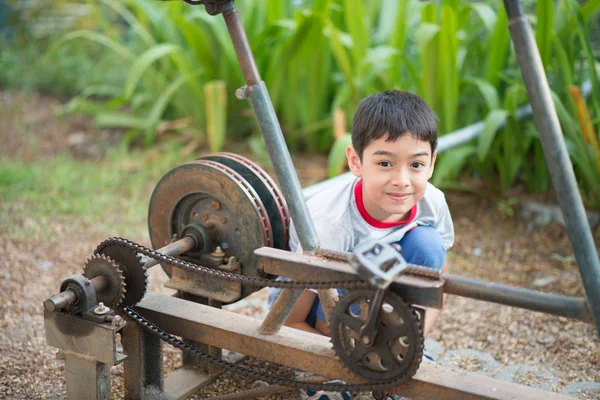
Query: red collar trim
[372, 221]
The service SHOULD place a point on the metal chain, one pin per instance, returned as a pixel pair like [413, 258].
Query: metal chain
[255, 375]
[261, 282]
[252, 280]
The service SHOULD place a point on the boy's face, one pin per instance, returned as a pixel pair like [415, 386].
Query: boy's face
[394, 175]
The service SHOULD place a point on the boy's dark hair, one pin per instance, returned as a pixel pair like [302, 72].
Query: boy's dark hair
[393, 112]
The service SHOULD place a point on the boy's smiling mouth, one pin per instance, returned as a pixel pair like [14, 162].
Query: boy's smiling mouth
[398, 196]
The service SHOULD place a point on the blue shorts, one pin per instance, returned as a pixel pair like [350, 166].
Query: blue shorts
[422, 245]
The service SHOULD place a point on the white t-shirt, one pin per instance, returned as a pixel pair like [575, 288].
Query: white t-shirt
[341, 225]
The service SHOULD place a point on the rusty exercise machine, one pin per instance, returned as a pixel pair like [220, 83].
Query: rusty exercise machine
[219, 225]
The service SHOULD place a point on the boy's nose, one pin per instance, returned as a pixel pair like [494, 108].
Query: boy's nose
[400, 179]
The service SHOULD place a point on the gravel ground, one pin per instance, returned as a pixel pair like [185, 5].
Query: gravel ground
[489, 245]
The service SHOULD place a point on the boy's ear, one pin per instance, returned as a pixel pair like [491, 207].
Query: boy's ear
[433, 158]
[353, 161]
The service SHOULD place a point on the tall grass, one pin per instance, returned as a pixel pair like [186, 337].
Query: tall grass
[326, 55]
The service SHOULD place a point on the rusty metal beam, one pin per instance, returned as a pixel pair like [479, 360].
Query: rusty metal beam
[86, 378]
[311, 352]
[425, 292]
[143, 368]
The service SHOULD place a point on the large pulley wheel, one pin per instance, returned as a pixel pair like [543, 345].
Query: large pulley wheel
[396, 351]
[266, 189]
[218, 198]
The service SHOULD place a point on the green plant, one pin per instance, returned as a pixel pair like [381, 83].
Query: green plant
[324, 55]
[115, 190]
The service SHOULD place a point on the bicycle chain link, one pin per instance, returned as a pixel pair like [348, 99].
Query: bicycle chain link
[264, 282]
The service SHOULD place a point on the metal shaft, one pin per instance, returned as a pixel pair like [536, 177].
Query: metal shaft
[172, 249]
[570, 307]
[68, 297]
[60, 300]
[557, 157]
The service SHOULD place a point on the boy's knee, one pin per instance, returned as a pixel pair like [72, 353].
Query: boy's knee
[424, 246]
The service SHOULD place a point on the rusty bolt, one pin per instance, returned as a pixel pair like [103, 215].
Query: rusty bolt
[205, 215]
[218, 252]
[223, 220]
[365, 339]
[101, 309]
[215, 205]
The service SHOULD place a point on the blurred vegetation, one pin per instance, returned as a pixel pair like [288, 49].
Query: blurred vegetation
[111, 194]
[165, 67]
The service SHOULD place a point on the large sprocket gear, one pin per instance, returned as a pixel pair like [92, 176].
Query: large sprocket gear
[134, 271]
[397, 349]
[113, 293]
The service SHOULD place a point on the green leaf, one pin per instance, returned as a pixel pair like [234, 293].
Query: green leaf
[492, 122]
[450, 163]
[337, 155]
[143, 62]
[544, 28]
[486, 13]
[120, 120]
[487, 91]
[158, 109]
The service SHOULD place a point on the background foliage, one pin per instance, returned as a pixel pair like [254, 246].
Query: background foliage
[163, 69]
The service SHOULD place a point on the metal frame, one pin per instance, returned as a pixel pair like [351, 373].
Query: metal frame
[546, 121]
[87, 366]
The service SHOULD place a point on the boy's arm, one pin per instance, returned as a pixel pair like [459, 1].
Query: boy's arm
[444, 223]
[297, 318]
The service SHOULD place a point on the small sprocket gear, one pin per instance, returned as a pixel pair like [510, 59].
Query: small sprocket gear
[134, 271]
[396, 351]
[113, 293]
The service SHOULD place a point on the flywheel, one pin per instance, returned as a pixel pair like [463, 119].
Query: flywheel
[267, 190]
[218, 198]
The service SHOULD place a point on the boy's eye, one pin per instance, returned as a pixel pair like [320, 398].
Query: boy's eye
[417, 165]
[385, 164]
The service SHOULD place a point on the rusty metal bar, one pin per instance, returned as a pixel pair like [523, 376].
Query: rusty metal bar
[86, 378]
[311, 352]
[172, 249]
[144, 363]
[557, 156]
[423, 291]
[279, 312]
[570, 307]
[241, 46]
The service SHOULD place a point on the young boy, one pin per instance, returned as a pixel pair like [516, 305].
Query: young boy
[393, 152]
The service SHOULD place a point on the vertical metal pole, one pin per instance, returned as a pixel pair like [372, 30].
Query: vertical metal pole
[563, 177]
[86, 378]
[144, 363]
[269, 125]
[281, 160]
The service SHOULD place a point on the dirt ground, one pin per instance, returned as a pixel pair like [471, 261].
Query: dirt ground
[490, 245]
